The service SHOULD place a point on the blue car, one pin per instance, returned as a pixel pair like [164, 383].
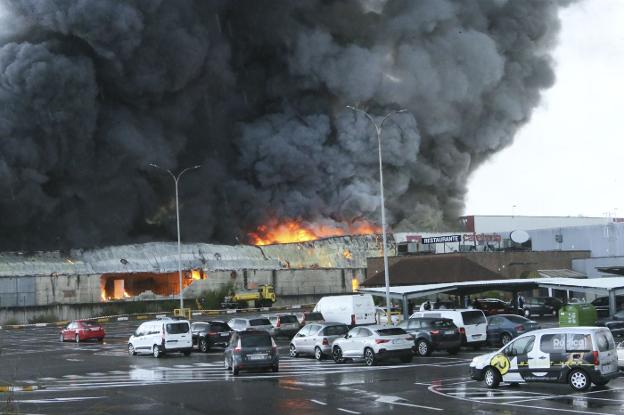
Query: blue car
[502, 328]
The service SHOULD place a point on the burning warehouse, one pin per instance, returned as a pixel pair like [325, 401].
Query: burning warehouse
[150, 271]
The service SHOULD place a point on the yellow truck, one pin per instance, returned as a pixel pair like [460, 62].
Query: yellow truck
[263, 296]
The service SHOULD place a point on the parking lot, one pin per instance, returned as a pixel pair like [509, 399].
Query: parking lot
[102, 378]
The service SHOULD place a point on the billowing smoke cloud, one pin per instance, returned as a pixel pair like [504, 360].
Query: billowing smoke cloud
[255, 91]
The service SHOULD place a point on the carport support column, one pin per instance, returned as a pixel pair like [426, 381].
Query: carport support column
[405, 308]
[612, 303]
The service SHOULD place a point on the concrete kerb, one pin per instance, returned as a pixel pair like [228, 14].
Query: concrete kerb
[146, 316]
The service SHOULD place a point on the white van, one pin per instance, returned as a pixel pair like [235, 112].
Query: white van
[472, 324]
[353, 310]
[578, 356]
[158, 337]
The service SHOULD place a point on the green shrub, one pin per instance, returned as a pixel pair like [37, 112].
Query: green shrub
[11, 322]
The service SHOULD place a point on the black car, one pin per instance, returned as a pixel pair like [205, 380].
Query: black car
[210, 334]
[492, 306]
[602, 305]
[616, 327]
[543, 306]
[432, 333]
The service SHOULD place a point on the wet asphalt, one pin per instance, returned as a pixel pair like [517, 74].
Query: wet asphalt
[100, 378]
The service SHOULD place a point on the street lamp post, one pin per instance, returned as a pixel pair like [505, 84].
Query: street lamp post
[176, 179]
[378, 129]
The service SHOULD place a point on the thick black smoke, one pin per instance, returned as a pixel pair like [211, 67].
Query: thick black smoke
[255, 91]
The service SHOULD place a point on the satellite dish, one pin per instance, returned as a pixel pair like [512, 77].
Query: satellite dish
[519, 236]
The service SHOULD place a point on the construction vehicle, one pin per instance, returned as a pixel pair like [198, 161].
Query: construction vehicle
[263, 296]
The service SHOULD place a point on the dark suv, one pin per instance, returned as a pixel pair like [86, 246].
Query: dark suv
[433, 333]
[251, 349]
[210, 334]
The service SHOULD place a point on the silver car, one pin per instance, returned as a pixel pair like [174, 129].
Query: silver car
[284, 324]
[254, 323]
[316, 339]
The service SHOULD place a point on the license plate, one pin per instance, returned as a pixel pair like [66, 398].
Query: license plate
[397, 341]
[449, 332]
[257, 356]
[224, 334]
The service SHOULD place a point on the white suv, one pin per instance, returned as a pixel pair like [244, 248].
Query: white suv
[158, 337]
[374, 343]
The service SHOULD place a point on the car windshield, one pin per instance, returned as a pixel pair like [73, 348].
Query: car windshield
[288, 319]
[473, 317]
[259, 322]
[88, 324]
[391, 332]
[177, 328]
[256, 341]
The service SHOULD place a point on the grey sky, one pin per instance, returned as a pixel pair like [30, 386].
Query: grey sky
[567, 160]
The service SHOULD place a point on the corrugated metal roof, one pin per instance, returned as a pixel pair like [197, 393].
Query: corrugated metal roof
[348, 252]
[560, 273]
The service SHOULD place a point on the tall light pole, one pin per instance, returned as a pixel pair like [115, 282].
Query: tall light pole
[378, 129]
[176, 179]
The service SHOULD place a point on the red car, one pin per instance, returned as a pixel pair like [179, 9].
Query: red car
[79, 331]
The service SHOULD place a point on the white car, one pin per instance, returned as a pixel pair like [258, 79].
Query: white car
[158, 337]
[620, 354]
[374, 343]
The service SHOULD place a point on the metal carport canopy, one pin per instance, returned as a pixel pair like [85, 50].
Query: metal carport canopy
[609, 286]
[601, 286]
[408, 292]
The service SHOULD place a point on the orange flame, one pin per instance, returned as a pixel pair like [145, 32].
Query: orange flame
[293, 230]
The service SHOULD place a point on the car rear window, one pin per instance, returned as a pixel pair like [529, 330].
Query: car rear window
[259, 322]
[335, 330]
[391, 332]
[442, 324]
[517, 319]
[288, 319]
[314, 317]
[605, 342]
[473, 317]
[256, 341]
[216, 327]
[177, 328]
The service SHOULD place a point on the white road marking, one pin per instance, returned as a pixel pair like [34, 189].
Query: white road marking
[396, 400]
[318, 402]
[348, 411]
[557, 409]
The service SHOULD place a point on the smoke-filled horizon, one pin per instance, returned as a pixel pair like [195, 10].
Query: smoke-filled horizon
[255, 92]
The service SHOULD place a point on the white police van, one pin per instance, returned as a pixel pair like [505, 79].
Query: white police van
[578, 356]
